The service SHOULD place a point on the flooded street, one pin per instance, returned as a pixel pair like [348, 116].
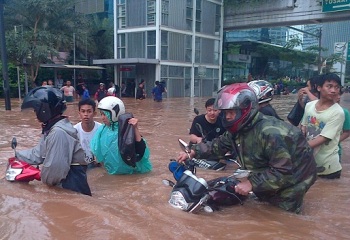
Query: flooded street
[136, 206]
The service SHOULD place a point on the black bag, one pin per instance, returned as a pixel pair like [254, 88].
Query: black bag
[296, 114]
[126, 140]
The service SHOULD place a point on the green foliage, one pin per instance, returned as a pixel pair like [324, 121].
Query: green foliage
[38, 29]
[101, 34]
[330, 61]
[13, 81]
[297, 58]
[293, 43]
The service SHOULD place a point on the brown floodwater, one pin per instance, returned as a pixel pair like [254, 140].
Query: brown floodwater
[136, 206]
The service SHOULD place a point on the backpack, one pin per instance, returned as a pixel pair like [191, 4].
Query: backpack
[126, 140]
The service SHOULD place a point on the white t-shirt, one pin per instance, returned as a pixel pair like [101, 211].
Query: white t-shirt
[68, 91]
[329, 124]
[85, 138]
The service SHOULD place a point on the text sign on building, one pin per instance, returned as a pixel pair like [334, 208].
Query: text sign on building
[335, 5]
[125, 68]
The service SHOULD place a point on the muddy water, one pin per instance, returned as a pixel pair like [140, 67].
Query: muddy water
[136, 207]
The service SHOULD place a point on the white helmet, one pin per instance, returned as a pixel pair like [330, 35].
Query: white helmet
[114, 105]
[263, 90]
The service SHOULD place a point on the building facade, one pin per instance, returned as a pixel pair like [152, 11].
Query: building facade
[103, 8]
[177, 42]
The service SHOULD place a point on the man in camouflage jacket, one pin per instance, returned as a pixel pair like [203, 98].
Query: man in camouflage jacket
[277, 154]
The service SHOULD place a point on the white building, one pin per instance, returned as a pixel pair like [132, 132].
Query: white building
[175, 41]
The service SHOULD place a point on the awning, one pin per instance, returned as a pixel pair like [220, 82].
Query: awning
[66, 66]
[126, 61]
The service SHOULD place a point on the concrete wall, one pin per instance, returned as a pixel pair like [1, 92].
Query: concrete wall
[272, 13]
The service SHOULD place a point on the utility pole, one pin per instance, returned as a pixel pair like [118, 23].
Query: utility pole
[319, 50]
[74, 60]
[4, 58]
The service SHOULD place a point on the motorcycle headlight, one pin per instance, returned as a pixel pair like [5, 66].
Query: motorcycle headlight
[12, 173]
[177, 200]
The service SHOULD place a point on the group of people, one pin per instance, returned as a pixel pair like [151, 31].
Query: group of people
[284, 160]
[66, 152]
[112, 90]
[157, 91]
[82, 91]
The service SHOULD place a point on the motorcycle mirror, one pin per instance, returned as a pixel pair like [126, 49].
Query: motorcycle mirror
[195, 110]
[169, 183]
[184, 146]
[14, 143]
[200, 129]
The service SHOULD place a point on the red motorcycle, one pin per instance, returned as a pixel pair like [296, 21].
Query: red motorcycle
[19, 171]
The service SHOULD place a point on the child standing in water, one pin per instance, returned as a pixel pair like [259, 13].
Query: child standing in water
[104, 144]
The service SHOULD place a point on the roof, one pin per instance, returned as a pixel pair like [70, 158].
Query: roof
[66, 66]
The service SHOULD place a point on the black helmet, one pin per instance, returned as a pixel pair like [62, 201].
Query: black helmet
[47, 102]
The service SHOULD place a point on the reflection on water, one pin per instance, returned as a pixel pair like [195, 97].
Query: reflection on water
[136, 207]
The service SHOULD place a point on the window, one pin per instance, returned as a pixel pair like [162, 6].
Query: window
[198, 4]
[217, 19]
[189, 14]
[175, 71]
[165, 12]
[151, 12]
[198, 15]
[121, 46]
[216, 51]
[198, 50]
[164, 71]
[188, 48]
[189, 3]
[164, 47]
[121, 14]
[151, 44]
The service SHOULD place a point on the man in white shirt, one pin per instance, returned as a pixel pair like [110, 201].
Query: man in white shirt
[69, 92]
[87, 128]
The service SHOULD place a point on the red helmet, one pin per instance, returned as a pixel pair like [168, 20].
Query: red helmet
[239, 97]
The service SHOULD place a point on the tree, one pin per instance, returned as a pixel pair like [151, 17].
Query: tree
[101, 34]
[329, 61]
[46, 27]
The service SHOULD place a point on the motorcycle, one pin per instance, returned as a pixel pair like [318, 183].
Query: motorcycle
[191, 193]
[18, 170]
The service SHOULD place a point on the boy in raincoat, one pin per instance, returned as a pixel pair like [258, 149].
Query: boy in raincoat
[104, 144]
